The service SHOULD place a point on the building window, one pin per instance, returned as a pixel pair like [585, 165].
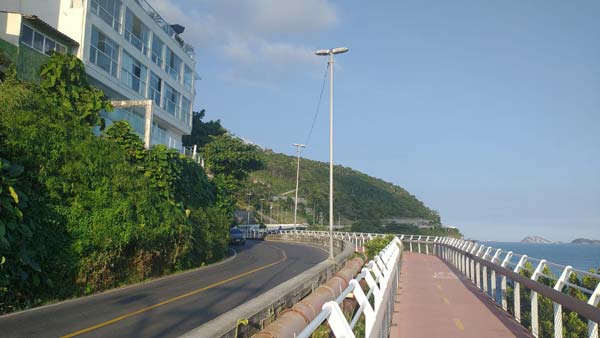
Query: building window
[186, 109]
[27, 36]
[188, 78]
[155, 88]
[173, 65]
[157, 51]
[171, 102]
[40, 42]
[104, 52]
[136, 32]
[109, 11]
[133, 74]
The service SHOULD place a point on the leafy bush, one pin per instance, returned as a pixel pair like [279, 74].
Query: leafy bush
[82, 213]
[374, 246]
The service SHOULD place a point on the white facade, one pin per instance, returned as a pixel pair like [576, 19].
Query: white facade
[131, 53]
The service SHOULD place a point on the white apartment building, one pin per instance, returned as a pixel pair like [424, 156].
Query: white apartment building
[130, 52]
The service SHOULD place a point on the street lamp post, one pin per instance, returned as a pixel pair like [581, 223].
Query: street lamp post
[298, 147]
[331, 52]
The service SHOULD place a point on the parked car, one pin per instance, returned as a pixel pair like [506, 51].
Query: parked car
[236, 236]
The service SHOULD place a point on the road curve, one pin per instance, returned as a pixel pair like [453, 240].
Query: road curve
[171, 306]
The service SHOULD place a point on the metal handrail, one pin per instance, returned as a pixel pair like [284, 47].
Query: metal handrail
[484, 265]
[377, 313]
[455, 255]
[166, 27]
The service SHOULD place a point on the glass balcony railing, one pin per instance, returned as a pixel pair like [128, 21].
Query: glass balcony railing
[166, 27]
[136, 41]
[104, 14]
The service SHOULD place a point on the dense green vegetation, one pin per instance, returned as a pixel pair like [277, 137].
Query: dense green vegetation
[405, 229]
[357, 195]
[574, 325]
[366, 203]
[82, 213]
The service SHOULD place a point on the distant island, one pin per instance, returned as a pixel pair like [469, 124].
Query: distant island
[586, 241]
[536, 239]
[542, 240]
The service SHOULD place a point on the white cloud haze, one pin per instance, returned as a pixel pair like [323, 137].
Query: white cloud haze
[252, 36]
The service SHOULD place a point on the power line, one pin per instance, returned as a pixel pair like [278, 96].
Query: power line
[318, 106]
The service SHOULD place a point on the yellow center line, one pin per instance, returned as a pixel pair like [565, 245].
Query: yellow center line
[171, 300]
[459, 324]
[438, 286]
[446, 301]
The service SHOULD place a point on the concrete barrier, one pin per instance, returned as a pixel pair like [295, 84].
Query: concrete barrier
[264, 309]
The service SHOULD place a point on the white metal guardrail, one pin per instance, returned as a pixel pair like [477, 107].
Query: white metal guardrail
[496, 272]
[487, 267]
[376, 304]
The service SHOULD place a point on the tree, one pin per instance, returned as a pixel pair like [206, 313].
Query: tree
[202, 131]
[107, 211]
[123, 135]
[64, 84]
[230, 156]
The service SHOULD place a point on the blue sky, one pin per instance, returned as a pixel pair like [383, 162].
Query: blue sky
[489, 112]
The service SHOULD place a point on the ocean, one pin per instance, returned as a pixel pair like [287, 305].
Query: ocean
[579, 256]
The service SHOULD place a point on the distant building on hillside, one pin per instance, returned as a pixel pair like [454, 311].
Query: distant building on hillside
[420, 223]
[129, 51]
[27, 41]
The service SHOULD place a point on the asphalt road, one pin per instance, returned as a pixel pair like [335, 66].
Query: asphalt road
[171, 306]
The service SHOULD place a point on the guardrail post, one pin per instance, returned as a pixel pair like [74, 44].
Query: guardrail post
[465, 260]
[560, 284]
[535, 325]
[503, 282]
[419, 243]
[473, 263]
[427, 246]
[363, 302]
[484, 273]
[493, 276]
[461, 259]
[593, 326]
[470, 261]
[517, 289]
[478, 268]
[337, 322]
[455, 255]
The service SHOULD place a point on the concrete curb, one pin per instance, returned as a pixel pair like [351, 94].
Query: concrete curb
[262, 310]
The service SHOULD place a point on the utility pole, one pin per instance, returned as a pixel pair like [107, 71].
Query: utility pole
[248, 211]
[261, 211]
[298, 149]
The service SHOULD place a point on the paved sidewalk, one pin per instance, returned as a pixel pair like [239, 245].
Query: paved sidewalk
[432, 301]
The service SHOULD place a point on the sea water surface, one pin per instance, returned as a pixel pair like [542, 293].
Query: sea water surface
[579, 256]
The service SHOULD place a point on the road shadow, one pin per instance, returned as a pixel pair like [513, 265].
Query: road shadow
[505, 318]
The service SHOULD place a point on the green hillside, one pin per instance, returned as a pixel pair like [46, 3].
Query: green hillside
[358, 197]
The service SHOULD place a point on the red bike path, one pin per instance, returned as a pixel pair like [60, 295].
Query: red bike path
[434, 301]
